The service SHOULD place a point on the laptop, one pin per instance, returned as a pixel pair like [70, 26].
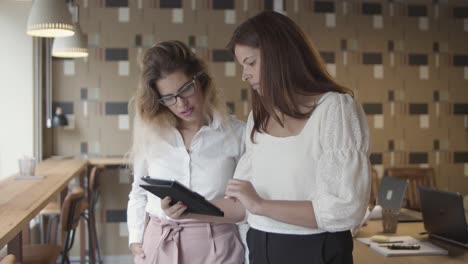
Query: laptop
[391, 195]
[444, 215]
[391, 192]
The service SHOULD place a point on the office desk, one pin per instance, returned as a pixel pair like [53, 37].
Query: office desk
[365, 255]
[22, 200]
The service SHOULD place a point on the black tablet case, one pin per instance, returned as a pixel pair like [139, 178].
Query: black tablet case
[195, 202]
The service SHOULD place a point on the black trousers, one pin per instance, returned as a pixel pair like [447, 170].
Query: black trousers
[324, 248]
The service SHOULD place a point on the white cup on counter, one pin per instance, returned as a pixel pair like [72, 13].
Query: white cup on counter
[27, 166]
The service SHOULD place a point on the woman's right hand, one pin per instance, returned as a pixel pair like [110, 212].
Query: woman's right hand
[137, 250]
[175, 211]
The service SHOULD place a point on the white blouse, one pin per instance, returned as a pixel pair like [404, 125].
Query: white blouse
[327, 163]
[214, 153]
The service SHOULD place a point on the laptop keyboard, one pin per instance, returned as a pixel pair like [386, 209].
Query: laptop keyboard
[409, 216]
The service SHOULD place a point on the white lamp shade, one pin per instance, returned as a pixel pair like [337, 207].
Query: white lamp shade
[71, 47]
[49, 19]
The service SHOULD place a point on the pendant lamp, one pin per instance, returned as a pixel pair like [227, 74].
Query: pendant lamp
[75, 46]
[49, 19]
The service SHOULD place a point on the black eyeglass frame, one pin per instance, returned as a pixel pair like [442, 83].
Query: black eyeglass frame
[183, 89]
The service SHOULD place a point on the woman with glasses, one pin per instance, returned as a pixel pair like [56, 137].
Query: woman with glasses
[181, 132]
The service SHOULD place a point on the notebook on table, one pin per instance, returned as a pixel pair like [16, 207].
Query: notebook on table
[444, 215]
[425, 248]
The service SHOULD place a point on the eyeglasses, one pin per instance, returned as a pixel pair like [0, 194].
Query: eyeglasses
[187, 90]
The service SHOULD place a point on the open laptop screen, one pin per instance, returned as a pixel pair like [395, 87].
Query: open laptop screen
[443, 214]
[391, 192]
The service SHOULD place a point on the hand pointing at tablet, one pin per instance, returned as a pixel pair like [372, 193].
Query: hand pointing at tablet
[244, 192]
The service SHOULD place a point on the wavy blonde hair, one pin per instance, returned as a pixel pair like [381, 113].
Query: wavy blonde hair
[161, 60]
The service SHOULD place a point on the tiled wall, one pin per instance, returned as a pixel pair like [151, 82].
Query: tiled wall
[407, 62]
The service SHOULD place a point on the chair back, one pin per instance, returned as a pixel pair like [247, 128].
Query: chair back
[8, 259]
[71, 209]
[375, 183]
[415, 177]
[93, 187]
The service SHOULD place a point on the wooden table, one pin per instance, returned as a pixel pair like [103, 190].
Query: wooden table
[105, 162]
[365, 255]
[22, 200]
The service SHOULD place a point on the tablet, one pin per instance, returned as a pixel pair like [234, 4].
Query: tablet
[195, 202]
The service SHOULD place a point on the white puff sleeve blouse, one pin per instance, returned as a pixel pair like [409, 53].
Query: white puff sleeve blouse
[327, 163]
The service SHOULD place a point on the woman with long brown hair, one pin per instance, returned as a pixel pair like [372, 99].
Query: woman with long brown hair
[181, 132]
[305, 177]
[304, 180]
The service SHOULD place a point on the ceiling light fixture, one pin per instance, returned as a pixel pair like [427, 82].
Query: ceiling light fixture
[49, 19]
[75, 46]
[71, 47]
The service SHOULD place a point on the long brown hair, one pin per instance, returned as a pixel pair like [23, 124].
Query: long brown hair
[163, 59]
[290, 66]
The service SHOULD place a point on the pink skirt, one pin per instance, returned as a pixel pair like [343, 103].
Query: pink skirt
[189, 242]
